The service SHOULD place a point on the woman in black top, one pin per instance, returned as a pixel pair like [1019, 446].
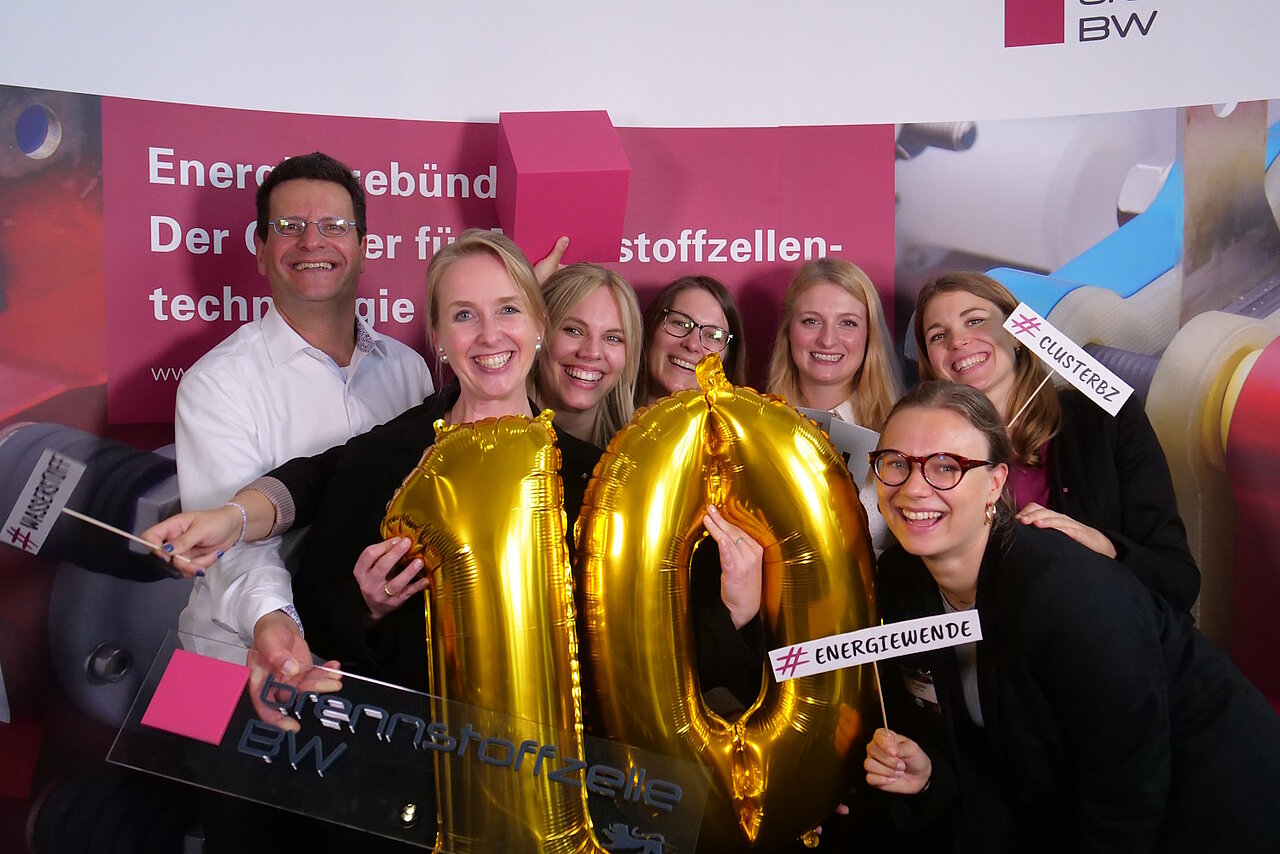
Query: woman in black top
[1091, 716]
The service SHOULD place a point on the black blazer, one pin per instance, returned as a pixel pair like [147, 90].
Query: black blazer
[343, 495]
[1111, 474]
[1110, 723]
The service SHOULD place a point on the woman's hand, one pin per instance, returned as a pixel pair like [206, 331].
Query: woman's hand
[741, 560]
[550, 264]
[280, 653]
[1090, 538]
[383, 587]
[896, 764]
[197, 539]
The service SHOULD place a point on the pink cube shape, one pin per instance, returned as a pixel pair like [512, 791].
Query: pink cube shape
[563, 173]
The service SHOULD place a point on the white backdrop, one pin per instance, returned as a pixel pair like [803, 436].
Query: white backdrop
[666, 63]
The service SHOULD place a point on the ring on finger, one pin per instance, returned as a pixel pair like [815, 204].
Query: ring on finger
[738, 541]
[387, 590]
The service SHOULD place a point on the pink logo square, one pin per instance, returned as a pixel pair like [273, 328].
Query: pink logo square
[1032, 22]
[196, 696]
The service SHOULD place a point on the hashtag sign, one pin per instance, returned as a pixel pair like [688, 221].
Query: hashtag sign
[794, 658]
[1024, 324]
[20, 538]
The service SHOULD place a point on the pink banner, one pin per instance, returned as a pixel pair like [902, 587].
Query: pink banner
[745, 206]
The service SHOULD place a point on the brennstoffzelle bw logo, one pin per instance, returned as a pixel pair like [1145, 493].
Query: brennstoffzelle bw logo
[1044, 22]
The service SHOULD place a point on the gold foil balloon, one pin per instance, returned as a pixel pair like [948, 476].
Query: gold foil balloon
[782, 767]
[485, 509]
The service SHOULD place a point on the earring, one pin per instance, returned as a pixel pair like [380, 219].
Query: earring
[443, 357]
[991, 513]
[538, 345]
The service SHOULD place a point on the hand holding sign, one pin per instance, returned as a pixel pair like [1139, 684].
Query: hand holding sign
[1068, 358]
[896, 764]
[1095, 381]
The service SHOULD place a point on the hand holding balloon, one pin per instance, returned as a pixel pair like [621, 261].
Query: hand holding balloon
[383, 587]
[741, 566]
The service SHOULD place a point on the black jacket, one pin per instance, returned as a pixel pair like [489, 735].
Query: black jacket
[343, 495]
[1111, 474]
[1110, 723]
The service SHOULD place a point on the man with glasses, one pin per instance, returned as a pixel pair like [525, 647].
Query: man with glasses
[305, 377]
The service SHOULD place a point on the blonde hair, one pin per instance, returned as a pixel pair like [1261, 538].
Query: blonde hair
[1042, 418]
[563, 291]
[876, 385]
[479, 241]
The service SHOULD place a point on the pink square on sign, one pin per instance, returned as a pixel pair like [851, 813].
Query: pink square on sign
[196, 696]
[563, 173]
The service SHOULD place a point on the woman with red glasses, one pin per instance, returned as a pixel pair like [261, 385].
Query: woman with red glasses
[1091, 716]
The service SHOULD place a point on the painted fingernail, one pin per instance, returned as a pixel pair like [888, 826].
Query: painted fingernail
[168, 548]
[199, 573]
[219, 555]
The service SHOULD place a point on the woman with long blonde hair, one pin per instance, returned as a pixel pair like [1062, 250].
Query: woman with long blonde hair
[587, 371]
[833, 349]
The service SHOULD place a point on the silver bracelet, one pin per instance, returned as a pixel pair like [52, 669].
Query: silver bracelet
[244, 521]
[292, 613]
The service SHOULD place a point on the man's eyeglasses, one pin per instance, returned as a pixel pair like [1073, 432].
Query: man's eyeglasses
[940, 470]
[294, 226]
[677, 324]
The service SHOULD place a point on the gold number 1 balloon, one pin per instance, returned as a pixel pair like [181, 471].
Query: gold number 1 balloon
[781, 768]
[485, 507]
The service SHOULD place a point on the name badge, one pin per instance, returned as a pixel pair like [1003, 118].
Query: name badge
[919, 684]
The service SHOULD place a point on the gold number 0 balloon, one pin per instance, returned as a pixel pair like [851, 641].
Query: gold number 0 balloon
[782, 767]
[485, 508]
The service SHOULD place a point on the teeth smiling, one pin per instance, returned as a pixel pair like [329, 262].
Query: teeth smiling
[681, 363]
[969, 362]
[497, 360]
[827, 357]
[313, 265]
[585, 375]
[921, 515]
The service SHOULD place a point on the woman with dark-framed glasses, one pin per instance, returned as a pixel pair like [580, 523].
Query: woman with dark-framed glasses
[1091, 715]
[689, 318]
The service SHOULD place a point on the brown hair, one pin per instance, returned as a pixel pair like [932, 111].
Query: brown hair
[974, 407]
[1043, 416]
[735, 355]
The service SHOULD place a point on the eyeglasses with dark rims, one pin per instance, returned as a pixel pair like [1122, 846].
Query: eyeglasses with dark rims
[677, 324]
[941, 470]
[330, 226]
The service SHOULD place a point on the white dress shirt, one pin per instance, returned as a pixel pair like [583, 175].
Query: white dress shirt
[260, 398]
